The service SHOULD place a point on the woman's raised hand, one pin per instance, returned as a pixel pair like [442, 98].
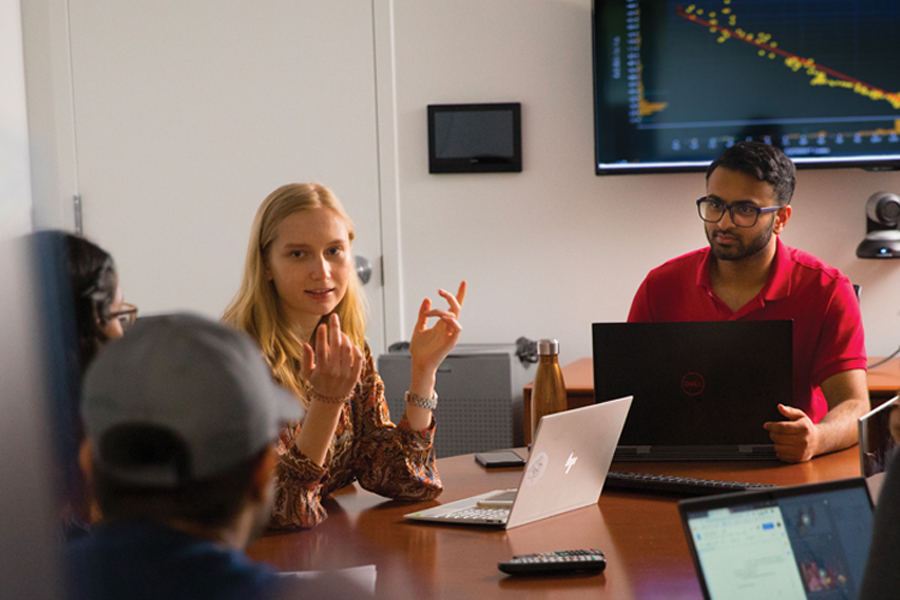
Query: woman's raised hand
[334, 367]
[430, 345]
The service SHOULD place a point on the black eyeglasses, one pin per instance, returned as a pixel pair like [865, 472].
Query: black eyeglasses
[127, 316]
[743, 214]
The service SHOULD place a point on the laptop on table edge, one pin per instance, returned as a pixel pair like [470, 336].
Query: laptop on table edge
[802, 541]
[569, 460]
[877, 448]
[702, 389]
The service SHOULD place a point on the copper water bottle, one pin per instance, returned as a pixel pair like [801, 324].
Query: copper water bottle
[548, 395]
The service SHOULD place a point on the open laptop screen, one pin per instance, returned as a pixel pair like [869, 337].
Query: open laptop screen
[807, 541]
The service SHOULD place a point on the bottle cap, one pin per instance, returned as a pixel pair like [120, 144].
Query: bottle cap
[548, 346]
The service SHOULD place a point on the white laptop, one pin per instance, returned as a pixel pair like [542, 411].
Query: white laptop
[569, 459]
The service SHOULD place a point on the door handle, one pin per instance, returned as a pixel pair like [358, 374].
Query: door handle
[363, 269]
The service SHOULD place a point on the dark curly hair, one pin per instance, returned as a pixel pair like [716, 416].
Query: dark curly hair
[94, 284]
[763, 162]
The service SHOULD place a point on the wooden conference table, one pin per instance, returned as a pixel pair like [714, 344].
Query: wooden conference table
[641, 535]
[883, 381]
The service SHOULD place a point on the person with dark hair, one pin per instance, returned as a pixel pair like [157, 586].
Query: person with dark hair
[82, 299]
[182, 416]
[748, 273]
[101, 314]
[100, 311]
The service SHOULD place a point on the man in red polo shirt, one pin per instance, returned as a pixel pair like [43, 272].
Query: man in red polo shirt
[747, 273]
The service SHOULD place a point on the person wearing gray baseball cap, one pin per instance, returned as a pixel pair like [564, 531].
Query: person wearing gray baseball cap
[180, 417]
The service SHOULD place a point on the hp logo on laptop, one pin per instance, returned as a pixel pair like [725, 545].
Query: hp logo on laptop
[570, 462]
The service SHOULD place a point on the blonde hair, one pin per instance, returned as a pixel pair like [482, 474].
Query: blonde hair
[254, 308]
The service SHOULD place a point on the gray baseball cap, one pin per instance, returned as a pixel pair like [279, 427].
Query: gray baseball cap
[201, 381]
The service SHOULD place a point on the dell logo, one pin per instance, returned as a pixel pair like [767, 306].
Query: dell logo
[693, 384]
[570, 462]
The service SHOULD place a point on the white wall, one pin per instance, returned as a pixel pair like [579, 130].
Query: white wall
[15, 174]
[28, 566]
[546, 251]
[552, 249]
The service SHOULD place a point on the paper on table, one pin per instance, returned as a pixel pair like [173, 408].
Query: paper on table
[362, 577]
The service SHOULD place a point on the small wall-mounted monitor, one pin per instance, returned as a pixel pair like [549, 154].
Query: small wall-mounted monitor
[474, 138]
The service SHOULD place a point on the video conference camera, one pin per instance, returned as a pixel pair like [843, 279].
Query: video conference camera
[882, 235]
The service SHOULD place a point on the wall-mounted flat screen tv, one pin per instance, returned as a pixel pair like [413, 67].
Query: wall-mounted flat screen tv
[676, 82]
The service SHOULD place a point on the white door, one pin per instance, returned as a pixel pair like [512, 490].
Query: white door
[188, 113]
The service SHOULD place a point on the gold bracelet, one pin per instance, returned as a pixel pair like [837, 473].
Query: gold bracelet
[311, 394]
[417, 400]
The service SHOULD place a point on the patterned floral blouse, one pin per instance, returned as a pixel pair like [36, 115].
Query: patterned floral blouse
[390, 460]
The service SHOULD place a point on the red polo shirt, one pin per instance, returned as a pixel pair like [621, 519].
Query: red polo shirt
[828, 331]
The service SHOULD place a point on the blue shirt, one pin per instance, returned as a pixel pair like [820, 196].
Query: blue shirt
[147, 561]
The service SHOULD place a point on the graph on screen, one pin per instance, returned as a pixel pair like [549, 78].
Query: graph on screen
[677, 82]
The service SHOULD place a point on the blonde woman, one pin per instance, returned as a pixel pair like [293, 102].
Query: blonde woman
[301, 300]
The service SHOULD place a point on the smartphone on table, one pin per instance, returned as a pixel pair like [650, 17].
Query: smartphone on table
[495, 460]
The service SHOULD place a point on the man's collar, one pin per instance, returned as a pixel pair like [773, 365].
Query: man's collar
[778, 285]
[703, 279]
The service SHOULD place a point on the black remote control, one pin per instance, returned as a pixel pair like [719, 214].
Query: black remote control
[564, 561]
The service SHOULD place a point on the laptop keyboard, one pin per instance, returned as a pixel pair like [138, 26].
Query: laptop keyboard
[672, 484]
[484, 515]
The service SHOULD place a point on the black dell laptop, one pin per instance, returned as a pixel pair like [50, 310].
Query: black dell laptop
[702, 390]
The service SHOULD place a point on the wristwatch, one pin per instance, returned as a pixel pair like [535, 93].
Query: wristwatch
[417, 400]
